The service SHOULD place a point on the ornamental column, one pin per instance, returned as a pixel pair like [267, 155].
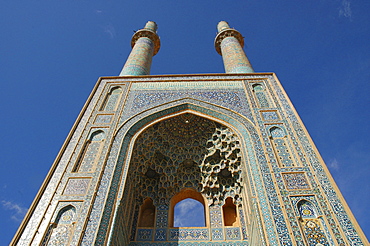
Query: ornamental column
[229, 44]
[145, 44]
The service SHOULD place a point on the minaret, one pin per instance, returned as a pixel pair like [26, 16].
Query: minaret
[229, 43]
[145, 44]
[231, 143]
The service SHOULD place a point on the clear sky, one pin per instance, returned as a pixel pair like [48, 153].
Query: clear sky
[52, 53]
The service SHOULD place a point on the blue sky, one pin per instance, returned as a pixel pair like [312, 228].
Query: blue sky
[189, 213]
[52, 53]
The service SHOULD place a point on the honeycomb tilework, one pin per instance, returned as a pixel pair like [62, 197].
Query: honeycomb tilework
[223, 157]
[171, 150]
[270, 228]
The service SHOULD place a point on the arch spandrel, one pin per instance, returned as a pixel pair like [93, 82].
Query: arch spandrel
[122, 147]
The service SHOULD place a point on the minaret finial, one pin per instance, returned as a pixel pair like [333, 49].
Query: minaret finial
[145, 44]
[229, 43]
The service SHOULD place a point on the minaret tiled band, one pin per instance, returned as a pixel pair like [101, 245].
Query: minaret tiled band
[145, 44]
[229, 43]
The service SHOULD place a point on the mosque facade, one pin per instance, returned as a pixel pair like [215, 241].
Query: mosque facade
[231, 143]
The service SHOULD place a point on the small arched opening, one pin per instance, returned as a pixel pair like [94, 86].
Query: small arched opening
[187, 209]
[147, 214]
[230, 214]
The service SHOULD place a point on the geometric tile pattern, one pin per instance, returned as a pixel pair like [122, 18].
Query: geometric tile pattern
[76, 186]
[271, 236]
[144, 235]
[283, 152]
[160, 235]
[215, 216]
[229, 243]
[234, 58]
[188, 234]
[243, 223]
[295, 181]
[272, 187]
[140, 59]
[217, 234]
[232, 233]
[232, 98]
[269, 115]
[313, 232]
[103, 118]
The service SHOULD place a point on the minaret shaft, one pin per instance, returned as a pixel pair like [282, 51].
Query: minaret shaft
[229, 43]
[140, 58]
[145, 44]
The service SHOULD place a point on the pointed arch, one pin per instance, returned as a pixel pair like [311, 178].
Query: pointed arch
[182, 196]
[229, 213]
[306, 209]
[147, 214]
[111, 100]
[260, 94]
[280, 144]
[276, 132]
[60, 231]
[132, 127]
[90, 150]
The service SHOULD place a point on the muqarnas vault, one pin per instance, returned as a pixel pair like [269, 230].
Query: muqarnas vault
[231, 142]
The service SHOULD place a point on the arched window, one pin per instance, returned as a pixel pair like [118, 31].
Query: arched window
[110, 102]
[259, 91]
[279, 143]
[89, 155]
[147, 214]
[229, 212]
[306, 209]
[277, 132]
[60, 232]
[187, 209]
